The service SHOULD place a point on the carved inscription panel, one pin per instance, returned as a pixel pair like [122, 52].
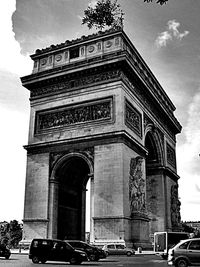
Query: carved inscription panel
[93, 111]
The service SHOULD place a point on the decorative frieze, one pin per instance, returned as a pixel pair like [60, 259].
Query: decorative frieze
[133, 119]
[78, 82]
[74, 114]
[171, 156]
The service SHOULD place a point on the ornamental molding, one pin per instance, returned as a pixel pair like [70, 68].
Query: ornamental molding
[133, 118]
[75, 83]
[78, 114]
[171, 155]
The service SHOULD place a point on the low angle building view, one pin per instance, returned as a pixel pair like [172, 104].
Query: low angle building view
[104, 103]
[98, 113]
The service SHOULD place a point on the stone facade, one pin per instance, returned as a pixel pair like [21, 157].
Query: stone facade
[98, 113]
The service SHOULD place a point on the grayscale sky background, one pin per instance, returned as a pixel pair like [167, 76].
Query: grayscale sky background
[168, 39]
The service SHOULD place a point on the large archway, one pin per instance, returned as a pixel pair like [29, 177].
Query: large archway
[154, 181]
[71, 175]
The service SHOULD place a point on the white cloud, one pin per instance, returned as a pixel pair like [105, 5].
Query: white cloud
[11, 58]
[92, 3]
[163, 38]
[170, 34]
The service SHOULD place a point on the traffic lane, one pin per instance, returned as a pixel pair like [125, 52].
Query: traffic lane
[18, 260]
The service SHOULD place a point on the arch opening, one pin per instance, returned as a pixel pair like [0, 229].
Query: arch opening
[72, 176]
[152, 156]
[154, 181]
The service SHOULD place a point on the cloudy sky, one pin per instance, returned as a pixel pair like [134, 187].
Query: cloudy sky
[167, 37]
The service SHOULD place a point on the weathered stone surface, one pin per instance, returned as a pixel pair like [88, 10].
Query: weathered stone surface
[98, 113]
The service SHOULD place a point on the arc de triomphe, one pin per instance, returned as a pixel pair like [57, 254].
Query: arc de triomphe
[98, 113]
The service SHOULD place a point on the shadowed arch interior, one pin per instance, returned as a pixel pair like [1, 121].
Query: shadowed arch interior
[152, 156]
[72, 177]
[152, 161]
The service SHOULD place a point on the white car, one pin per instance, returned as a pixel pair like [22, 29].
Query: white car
[118, 249]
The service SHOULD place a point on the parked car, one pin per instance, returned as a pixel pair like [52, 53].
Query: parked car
[5, 251]
[42, 250]
[24, 244]
[185, 253]
[93, 253]
[118, 249]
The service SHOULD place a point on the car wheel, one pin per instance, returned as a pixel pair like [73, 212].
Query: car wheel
[7, 257]
[74, 261]
[107, 254]
[43, 261]
[181, 263]
[128, 253]
[35, 259]
[92, 257]
[97, 258]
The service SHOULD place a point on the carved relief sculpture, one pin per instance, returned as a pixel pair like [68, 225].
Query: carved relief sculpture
[175, 206]
[133, 119]
[136, 186]
[74, 115]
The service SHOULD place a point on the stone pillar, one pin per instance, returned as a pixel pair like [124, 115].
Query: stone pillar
[53, 208]
[83, 203]
[92, 209]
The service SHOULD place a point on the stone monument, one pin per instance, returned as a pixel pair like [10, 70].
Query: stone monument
[99, 113]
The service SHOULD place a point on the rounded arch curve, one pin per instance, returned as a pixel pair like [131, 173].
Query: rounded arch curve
[154, 146]
[66, 158]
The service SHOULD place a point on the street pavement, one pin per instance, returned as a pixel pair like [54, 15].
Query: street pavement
[139, 260]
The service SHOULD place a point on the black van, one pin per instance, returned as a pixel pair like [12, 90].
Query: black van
[42, 250]
[93, 253]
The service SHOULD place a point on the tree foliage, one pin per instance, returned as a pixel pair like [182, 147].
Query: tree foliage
[10, 233]
[107, 13]
[161, 2]
[104, 13]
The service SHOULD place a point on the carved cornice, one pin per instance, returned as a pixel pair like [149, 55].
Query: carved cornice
[73, 83]
[84, 142]
[163, 171]
[83, 39]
